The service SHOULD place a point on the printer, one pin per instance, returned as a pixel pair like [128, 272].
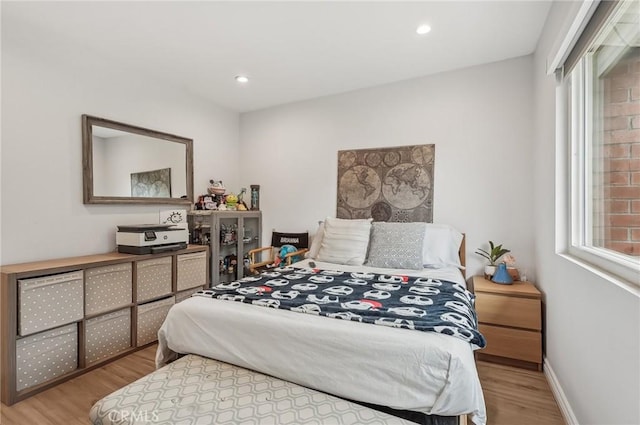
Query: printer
[151, 238]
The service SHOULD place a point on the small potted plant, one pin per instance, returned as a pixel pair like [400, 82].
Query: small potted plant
[493, 255]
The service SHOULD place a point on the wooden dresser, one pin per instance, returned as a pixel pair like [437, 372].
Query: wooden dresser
[64, 317]
[510, 318]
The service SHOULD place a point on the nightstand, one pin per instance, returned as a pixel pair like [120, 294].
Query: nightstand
[510, 318]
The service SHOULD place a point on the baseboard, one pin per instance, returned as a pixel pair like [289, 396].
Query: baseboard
[561, 399]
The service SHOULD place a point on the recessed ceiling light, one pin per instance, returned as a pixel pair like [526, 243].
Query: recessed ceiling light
[242, 79]
[423, 29]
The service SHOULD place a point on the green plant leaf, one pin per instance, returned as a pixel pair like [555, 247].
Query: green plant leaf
[494, 253]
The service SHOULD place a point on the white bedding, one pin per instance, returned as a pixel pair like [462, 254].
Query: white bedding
[403, 369]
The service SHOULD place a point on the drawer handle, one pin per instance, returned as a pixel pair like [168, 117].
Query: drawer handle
[37, 338]
[110, 316]
[29, 286]
[191, 257]
[103, 272]
[155, 266]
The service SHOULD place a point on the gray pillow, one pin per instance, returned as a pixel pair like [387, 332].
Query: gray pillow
[396, 245]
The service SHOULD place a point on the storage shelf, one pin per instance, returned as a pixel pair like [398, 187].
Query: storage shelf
[245, 223]
[10, 311]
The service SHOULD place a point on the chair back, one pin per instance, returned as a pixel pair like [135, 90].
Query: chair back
[299, 240]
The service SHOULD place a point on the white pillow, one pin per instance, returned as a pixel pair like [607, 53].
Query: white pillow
[441, 246]
[345, 241]
[316, 243]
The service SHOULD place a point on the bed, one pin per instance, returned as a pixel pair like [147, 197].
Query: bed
[387, 362]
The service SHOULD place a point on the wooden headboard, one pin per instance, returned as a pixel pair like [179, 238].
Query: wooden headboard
[462, 251]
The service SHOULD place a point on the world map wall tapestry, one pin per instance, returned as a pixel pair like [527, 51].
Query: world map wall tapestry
[387, 184]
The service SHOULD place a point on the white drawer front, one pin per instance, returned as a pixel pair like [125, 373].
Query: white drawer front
[150, 318]
[192, 270]
[49, 301]
[45, 356]
[107, 335]
[107, 288]
[153, 278]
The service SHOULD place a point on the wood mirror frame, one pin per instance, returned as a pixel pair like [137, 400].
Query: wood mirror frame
[89, 190]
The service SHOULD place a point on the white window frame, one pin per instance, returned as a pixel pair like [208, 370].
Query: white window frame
[574, 102]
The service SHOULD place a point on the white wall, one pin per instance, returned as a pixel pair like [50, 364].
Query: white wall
[43, 98]
[479, 119]
[592, 328]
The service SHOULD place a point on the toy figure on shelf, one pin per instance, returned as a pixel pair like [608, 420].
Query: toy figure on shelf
[255, 197]
[216, 187]
[230, 263]
[231, 200]
[242, 206]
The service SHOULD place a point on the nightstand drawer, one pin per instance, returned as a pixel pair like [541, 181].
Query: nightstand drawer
[512, 343]
[508, 311]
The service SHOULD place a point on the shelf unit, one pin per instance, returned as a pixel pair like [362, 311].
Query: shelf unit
[62, 318]
[229, 235]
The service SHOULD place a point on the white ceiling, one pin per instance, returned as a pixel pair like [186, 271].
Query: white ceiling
[290, 50]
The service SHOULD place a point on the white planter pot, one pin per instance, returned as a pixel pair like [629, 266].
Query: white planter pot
[489, 271]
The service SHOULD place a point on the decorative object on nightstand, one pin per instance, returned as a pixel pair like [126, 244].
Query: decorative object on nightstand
[510, 261]
[510, 318]
[502, 276]
[493, 255]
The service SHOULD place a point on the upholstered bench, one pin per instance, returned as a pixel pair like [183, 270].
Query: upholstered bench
[197, 390]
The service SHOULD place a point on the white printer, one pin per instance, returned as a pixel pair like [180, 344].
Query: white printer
[151, 238]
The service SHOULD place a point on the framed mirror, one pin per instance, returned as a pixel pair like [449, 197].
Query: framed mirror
[126, 164]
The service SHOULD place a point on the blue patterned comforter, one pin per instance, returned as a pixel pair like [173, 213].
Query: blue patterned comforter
[398, 301]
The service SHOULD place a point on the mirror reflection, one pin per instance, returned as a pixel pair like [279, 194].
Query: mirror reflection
[128, 164]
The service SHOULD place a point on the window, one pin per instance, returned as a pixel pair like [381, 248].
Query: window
[602, 82]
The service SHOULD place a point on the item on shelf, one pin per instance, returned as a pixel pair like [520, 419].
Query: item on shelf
[230, 263]
[209, 203]
[177, 217]
[228, 234]
[151, 238]
[216, 187]
[246, 262]
[255, 197]
[242, 206]
[199, 204]
[231, 201]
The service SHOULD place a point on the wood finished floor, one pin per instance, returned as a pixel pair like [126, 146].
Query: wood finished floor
[512, 395]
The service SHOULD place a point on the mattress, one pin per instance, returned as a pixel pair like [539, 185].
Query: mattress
[400, 368]
[196, 390]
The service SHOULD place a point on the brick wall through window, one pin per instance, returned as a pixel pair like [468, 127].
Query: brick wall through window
[617, 185]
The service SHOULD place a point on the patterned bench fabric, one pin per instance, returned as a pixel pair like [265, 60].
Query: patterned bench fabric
[197, 390]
